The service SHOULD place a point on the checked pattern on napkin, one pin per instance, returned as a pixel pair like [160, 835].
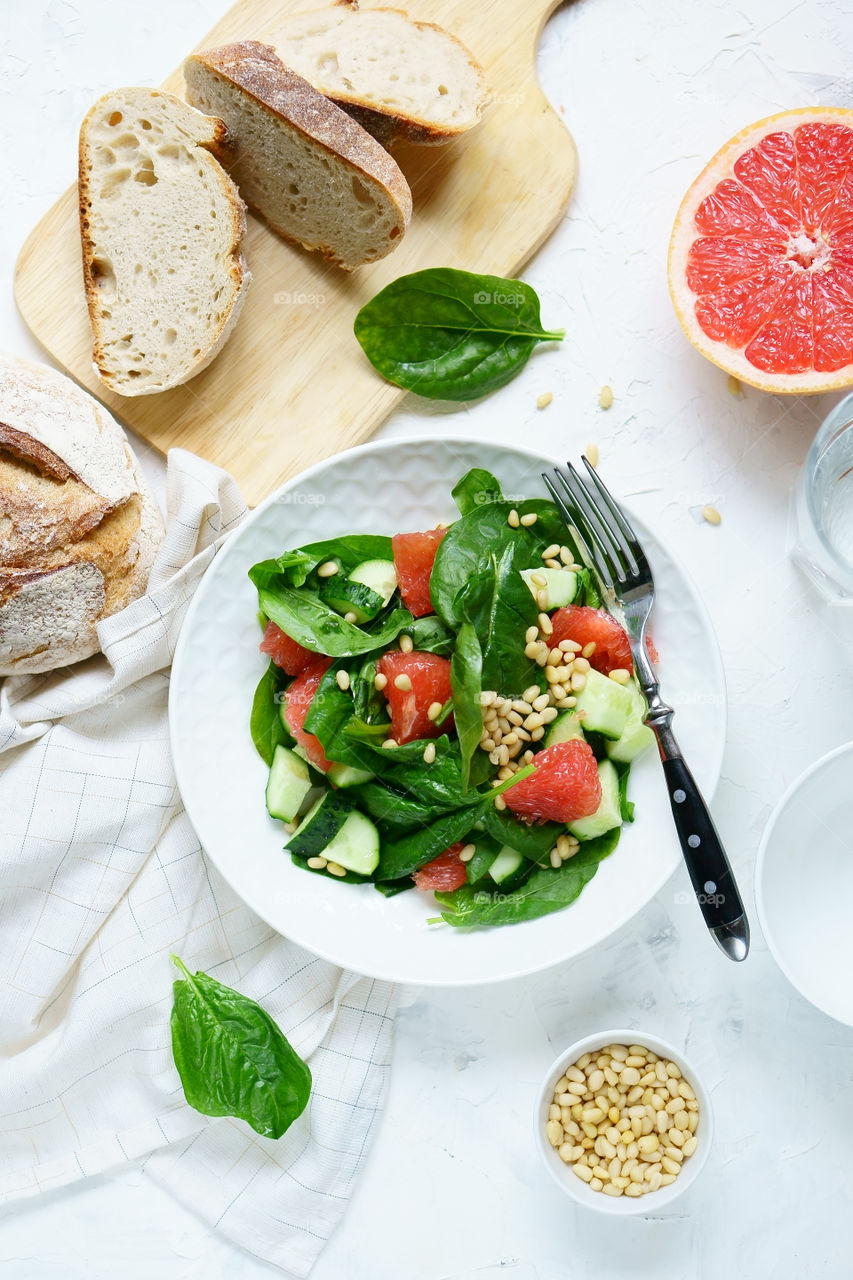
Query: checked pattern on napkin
[101, 877]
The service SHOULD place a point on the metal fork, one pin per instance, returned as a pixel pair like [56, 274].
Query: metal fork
[615, 556]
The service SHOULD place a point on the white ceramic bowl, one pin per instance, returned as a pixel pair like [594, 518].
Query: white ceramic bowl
[563, 1175]
[804, 883]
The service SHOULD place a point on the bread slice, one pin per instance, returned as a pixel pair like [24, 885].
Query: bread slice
[398, 78]
[311, 171]
[161, 224]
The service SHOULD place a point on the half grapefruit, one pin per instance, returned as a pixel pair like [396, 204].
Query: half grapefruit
[761, 255]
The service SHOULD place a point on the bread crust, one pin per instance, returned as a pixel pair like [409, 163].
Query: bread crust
[257, 70]
[390, 127]
[218, 144]
[79, 528]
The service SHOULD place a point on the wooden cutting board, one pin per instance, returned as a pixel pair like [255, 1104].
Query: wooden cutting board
[292, 385]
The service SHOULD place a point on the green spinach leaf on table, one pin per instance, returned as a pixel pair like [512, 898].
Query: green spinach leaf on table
[451, 335]
[466, 671]
[265, 723]
[547, 889]
[233, 1059]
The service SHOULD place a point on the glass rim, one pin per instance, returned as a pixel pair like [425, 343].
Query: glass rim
[838, 420]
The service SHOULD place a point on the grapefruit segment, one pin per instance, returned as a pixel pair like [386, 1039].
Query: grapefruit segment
[762, 250]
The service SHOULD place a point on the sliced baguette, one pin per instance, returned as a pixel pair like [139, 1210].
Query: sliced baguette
[400, 79]
[315, 175]
[161, 224]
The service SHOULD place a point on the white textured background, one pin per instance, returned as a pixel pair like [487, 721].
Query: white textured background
[453, 1190]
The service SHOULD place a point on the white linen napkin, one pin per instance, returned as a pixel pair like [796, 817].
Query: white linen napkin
[101, 876]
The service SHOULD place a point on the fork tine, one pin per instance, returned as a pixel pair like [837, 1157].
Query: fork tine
[570, 515]
[629, 543]
[592, 543]
[596, 523]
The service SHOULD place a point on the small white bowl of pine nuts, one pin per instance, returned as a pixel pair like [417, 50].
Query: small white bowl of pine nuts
[623, 1122]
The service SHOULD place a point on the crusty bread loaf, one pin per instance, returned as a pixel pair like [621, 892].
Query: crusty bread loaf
[78, 526]
[305, 165]
[161, 224]
[400, 79]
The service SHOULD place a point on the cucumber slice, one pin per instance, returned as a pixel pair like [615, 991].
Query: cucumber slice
[288, 784]
[347, 596]
[347, 775]
[561, 585]
[356, 845]
[636, 736]
[321, 824]
[609, 813]
[563, 729]
[379, 575]
[606, 705]
[505, 864]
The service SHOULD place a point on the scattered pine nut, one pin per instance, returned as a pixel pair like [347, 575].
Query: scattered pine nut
[379, 681]
[605, 400]
[539, 579]
[429, 752]
[591, 454]
[620, 675]
[529, 520]
[545, 627]
[500, 803]
[390, 742]
[588, 650]
[551, 551]
[327, 570]
[433, 712]
[407, 644]
[335, 869]
[342, 679]
[512, 519]
[712, 515]
[403, 683]
[316, 864]
[544, 400]
[467, 853]
[542, 599]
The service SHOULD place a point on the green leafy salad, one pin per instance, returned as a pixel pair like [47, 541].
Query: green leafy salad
[448, 711]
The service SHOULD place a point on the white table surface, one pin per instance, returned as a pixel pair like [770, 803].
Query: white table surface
[453, 1189]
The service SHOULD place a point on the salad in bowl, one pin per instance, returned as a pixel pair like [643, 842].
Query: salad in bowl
[448, 711]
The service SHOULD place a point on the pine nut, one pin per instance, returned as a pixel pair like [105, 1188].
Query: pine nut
[712, 515]
[634, 1190]
[316, 864]
[583, 1172]
[407, 644]
[690, 1146]
[542, 601]
[342, 679]
[379, 681]
[589, 649]
[556, 860]
[429, 753]
[682, 1121]
[327, 570]
[554, 1133]
[335, 869]
[620, 675]
[500, 803]
[350, 617]
[390, 742]
[531, 634]
[545, 624]
[512, 519]
[529, 520]
[550, 551]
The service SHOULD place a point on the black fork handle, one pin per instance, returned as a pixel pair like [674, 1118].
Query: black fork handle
[710, 873]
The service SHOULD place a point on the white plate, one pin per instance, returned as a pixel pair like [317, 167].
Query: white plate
[386, 488]
[804, 883]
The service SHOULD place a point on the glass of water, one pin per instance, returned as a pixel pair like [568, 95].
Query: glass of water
[821, 531]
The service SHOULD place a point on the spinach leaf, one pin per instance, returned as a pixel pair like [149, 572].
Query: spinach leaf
[349, 877]
[368, 703]
[390, 888]
[485, 853]
[476, 488]
[395, 812]
[430, 635]
[587, 592]
[292, 566]
[466, 669]
[475, 539]
[404, 855]
[233, 1059]
[438, 785]
[626, 806]
[315, 625]
[349, 550]
[265, 723]
[451, 335]
[328, 719]
[534, 842]
[545, 890]
[499, 603]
